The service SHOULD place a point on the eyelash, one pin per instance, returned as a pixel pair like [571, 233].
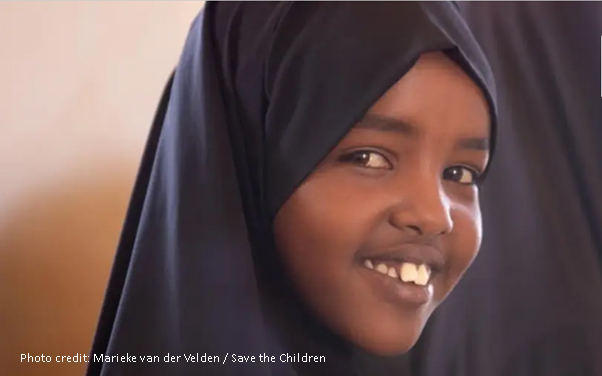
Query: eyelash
[357, 156]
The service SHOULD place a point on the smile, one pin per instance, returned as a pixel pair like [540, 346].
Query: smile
[400, 281]
[406, 272]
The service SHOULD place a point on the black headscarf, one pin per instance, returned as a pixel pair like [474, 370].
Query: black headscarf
[531, 304]
[261, 94]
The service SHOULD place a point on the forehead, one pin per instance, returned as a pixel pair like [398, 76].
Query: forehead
[469, 140]
[436, 95]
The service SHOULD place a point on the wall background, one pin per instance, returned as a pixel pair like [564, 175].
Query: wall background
[80, 83]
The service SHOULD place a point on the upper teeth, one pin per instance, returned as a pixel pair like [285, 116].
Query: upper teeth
[408, 272]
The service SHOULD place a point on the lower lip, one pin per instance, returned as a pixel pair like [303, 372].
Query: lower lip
[396, 291]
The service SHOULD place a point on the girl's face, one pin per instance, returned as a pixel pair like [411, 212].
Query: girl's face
[378, 235]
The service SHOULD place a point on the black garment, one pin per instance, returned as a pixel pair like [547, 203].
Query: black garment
[531, 304]
[262, 92]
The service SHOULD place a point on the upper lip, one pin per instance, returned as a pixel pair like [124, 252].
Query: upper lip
[413, 253]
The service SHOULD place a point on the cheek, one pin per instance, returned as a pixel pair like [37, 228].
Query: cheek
[464, 242]
[317, 233]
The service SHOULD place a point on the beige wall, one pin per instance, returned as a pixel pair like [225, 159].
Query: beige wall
[79, 85]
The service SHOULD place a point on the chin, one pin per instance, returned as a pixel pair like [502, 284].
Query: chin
[391, 341]
[388, 347]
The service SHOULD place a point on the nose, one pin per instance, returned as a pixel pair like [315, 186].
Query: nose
[423, 208]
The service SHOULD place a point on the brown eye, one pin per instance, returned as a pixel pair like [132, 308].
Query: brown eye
[368, 159]
[462, 175]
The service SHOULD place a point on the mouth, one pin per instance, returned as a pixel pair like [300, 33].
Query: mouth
[405, 272]
[403, 277]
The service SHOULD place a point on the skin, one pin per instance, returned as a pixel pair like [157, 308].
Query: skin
[387, 186]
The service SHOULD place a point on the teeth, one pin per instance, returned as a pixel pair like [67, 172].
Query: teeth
[408, 272]
[382, 268]
[423, 276]
[419, 274]
[392, 273]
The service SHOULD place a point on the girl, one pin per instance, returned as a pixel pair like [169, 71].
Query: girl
[309, 192]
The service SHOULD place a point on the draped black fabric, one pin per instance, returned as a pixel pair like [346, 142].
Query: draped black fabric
[261, 94]
[531, 304]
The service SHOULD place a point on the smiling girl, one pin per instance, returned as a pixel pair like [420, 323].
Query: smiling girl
[310, 186]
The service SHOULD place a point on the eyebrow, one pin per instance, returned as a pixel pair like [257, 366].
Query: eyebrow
[389, 124]
[386, 124]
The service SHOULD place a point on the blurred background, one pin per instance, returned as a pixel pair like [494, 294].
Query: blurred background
[81, 81]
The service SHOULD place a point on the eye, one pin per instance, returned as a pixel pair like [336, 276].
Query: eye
[367, 159]
[461, 174]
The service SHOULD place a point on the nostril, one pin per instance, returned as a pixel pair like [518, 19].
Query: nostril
[416, 229]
